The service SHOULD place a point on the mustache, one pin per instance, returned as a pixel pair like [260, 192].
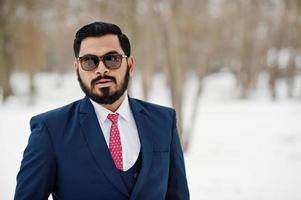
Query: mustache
[98, 78]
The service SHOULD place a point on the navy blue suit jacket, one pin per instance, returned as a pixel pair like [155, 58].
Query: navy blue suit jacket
[67, 156]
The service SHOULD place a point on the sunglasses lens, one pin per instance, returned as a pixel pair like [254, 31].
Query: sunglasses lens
[89, 62]
[112, 61]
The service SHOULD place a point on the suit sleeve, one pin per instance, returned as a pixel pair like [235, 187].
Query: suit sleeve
[36, 177]
[177, 183]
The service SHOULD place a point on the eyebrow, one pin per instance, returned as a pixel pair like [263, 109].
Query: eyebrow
[111, 52]
[107, 53]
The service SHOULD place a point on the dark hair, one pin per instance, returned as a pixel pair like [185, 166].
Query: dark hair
[97, 29]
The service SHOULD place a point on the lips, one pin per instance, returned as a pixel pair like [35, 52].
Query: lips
[104, 83]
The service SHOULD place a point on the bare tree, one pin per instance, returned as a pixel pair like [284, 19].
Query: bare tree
[6, 47]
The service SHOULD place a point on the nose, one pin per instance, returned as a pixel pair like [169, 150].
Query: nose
[101, 68]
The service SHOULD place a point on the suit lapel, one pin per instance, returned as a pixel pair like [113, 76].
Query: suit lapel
[143, 125]
[97, 145]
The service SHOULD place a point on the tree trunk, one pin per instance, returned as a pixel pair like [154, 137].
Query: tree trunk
[5, 65]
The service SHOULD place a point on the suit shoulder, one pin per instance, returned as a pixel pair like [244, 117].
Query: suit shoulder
[154, 108]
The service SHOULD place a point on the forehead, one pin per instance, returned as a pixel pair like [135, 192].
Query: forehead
[100, 45]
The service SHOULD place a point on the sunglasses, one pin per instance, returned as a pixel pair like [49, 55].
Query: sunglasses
[111, 61]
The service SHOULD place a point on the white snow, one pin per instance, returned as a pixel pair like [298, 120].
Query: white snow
[240, 149]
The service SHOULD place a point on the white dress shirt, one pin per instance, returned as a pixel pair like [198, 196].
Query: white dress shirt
[127, 128]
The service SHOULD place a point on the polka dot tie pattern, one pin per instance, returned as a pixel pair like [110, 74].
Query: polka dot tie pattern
[115, 142]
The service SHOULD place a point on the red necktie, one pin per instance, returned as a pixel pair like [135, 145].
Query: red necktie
[115, 142]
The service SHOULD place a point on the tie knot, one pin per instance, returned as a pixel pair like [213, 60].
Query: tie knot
[113, 117]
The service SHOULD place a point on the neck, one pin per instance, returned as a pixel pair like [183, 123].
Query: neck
[114, 106]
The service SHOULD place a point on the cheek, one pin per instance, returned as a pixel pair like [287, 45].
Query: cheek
[121, 76]
[120, 80]
[85, 78]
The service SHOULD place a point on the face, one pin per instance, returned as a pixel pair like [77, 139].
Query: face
[101, 84]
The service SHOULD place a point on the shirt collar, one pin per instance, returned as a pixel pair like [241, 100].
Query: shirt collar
[102, 112]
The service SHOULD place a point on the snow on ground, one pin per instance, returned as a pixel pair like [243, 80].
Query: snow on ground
[240, 149]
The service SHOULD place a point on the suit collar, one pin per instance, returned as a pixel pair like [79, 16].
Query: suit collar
[96, 142]
[97, 145]
[143, 123]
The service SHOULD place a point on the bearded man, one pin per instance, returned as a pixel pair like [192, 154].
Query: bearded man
[107, 145]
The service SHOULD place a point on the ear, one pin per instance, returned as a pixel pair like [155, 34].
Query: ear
[131, 65]
[76, 65]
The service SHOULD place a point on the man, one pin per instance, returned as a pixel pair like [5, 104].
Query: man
[106, 146]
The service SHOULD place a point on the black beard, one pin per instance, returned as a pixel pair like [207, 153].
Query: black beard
[106, 97]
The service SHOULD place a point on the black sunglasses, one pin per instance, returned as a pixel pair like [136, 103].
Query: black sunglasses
[111, 61]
